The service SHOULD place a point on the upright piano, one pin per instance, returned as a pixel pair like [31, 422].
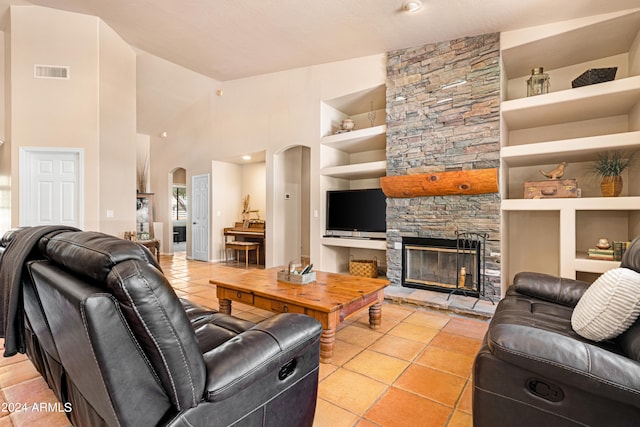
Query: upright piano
[254, 231]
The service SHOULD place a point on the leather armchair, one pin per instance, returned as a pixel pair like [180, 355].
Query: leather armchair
[119, 348]
[534, 370]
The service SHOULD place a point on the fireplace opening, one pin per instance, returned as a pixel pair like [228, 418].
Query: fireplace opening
[445, 265]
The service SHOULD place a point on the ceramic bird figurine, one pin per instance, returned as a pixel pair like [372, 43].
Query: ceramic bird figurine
[555, 173]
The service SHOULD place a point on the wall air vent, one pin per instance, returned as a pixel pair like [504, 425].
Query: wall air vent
[50, 72]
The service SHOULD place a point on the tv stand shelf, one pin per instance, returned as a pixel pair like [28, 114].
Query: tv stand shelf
[354, 242]
[354, 160]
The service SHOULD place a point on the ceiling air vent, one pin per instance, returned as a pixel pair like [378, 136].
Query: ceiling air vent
[50, 72]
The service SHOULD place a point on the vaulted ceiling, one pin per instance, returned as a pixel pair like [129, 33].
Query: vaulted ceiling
[231, 39]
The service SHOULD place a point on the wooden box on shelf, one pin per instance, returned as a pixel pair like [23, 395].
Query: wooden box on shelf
[551, 188]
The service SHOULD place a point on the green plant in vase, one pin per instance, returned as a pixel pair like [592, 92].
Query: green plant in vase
[610, 166]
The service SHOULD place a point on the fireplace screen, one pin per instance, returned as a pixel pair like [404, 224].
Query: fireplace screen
[442, 265]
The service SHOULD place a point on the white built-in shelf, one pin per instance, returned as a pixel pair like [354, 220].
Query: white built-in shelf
[346, 242]
[607, 99]
[359, 140]
[577, 149]
[582, 263]
[567, 43]
[578, 204]
[357, 170]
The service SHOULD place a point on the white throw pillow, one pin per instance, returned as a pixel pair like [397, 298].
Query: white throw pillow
[609, 306]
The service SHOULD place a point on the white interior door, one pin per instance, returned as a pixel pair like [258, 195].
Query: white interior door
[51, 187]
[200, 217]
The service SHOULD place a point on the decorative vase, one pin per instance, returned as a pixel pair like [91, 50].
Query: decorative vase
[611, 186]
[348, 125]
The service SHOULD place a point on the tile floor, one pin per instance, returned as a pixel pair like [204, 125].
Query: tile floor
[414, 371]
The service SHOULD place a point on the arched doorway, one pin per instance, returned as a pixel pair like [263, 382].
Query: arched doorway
[179, 210]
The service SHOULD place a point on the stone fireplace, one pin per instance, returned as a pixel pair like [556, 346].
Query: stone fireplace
[443, 104]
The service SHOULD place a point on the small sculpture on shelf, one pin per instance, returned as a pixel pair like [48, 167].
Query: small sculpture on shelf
[556, 173]
[347, 125]
[603, 243]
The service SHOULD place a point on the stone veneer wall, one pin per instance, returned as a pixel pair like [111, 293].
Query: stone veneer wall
[430, 128]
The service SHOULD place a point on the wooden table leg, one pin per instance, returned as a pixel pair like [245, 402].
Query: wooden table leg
[327, 342]
[225, 306]
[375, 315]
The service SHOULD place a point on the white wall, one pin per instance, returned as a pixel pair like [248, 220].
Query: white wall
[93, 110]
[226, 203]
[254, 183]
[117, 132]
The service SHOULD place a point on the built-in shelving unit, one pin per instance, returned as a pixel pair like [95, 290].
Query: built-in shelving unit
[572, 125]
[352, 160]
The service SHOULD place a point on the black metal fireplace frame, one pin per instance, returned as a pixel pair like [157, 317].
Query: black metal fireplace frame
[464, 242]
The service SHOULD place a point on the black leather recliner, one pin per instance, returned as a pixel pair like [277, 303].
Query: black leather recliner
[534, 370]
[118, 348]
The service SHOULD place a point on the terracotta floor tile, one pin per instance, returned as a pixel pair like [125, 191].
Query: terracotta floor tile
[428, 319]
[414, 332]
[366, 423]
[325, 370]
[457, 343]
[396, 312]
[16, 373]
[467, 327]
[343, 352]
[377, 366]
[362, 337]
[398, 408]
[330, 415]
[464, 403]
[446, 360]
[351, 391]
[401, 348]
[433, 384]
[4, 361]
[460, 419]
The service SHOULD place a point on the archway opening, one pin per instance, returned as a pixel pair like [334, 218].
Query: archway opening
[179, 210]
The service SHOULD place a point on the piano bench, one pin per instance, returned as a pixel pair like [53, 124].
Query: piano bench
[243, 246]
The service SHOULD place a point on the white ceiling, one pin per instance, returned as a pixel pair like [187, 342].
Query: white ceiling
[231, 39]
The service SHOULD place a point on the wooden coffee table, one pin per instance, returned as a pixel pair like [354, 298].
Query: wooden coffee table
[330, 299]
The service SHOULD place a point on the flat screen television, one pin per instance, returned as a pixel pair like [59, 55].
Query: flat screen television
[357, 213]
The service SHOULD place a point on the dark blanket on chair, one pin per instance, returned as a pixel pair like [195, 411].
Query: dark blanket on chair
[11, 268]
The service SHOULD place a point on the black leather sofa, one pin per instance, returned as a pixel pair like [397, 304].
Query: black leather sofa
[534, 370]
[105, 329]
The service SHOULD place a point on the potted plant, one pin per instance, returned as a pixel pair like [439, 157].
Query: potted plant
[610, 166]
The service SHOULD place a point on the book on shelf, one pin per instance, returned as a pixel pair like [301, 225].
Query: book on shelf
[601, 254]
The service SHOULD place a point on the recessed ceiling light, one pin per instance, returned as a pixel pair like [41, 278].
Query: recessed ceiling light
[412, 6]
[246, 157]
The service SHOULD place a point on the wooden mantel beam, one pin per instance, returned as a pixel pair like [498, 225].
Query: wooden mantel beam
[462, 182]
